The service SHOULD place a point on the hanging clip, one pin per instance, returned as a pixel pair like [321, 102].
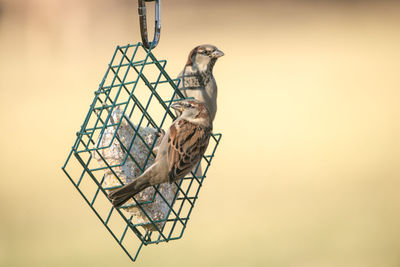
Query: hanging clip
[143, 23]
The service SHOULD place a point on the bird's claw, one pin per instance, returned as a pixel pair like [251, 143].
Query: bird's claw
[160, 133]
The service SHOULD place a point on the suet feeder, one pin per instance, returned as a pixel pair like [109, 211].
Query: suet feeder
[115, 144]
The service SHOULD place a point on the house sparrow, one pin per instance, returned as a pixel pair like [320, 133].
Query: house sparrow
[182, 147]
[197, 80]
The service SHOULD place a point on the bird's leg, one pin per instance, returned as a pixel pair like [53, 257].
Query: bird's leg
[160, 135]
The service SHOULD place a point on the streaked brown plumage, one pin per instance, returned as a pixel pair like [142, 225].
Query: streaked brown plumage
[185, 138]
[181, 148]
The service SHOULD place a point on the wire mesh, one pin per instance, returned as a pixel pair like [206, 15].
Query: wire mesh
[137, 85]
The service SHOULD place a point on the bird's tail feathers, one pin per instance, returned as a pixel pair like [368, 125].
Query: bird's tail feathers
[123, 194]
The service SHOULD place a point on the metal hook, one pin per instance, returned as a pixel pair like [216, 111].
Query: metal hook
[143, 23]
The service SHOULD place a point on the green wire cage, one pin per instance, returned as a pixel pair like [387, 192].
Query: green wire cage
[135, 94]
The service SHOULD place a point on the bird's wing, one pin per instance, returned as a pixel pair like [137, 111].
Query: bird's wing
[186, 145]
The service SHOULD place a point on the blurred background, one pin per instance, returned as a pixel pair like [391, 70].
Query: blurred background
[308, 170]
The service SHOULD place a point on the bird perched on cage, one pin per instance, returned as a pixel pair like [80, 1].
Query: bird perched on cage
[197, 79]
[182, 147]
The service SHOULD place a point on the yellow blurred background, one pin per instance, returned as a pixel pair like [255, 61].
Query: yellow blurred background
[307, 174]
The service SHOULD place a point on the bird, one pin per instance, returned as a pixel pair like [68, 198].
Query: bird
[197, 79]
[180, 150]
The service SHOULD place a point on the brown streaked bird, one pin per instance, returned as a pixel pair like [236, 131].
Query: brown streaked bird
[180, 150]
[197, 79]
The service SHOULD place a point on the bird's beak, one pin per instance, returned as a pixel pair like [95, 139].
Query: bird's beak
[217, 54]
[177, 106]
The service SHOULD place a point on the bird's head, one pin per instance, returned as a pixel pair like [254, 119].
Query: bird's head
[203, 57]
[192, 110]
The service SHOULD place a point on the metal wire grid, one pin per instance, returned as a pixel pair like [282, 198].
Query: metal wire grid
[123, 87]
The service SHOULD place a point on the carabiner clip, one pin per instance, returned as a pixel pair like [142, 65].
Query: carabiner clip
[143, 23]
